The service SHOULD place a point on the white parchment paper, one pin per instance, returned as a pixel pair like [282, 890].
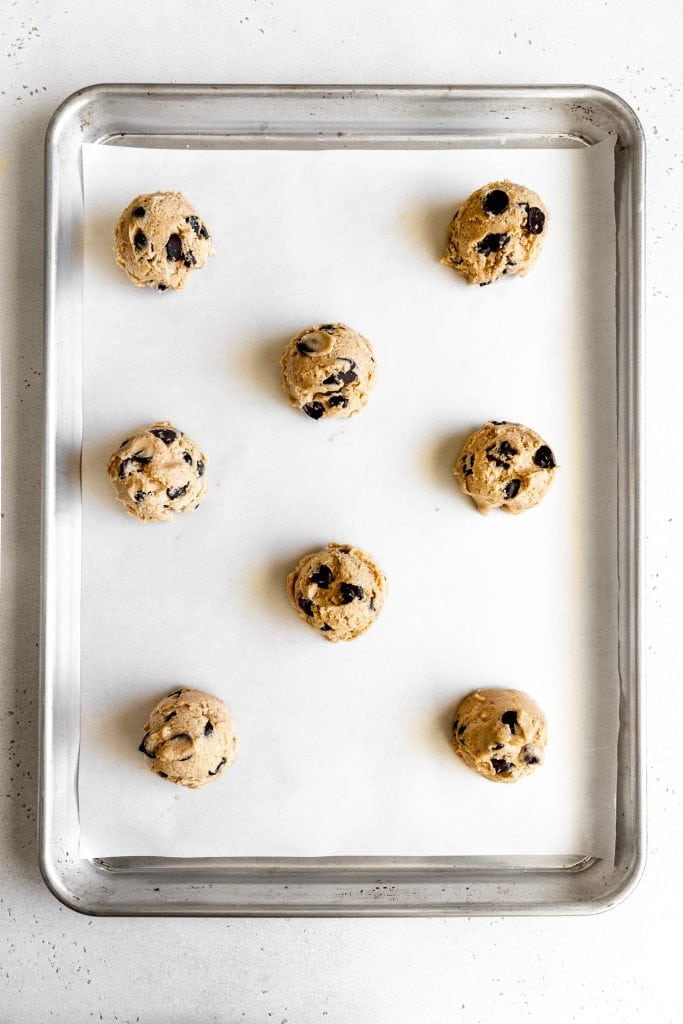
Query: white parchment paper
[345, 748]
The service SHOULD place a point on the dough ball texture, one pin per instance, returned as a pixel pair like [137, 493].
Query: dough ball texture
[338, 591]
[328, 370]
[157, 472]
[505, 465]
[498, 231]
[161, 240]
[190, 738]
[501, 734]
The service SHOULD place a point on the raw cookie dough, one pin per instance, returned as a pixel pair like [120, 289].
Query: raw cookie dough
[328, 370]
[190, 738]
[339, 591]
[498, 230]
[160, 240]
[505, 465]
[157, 472]
[501, 734]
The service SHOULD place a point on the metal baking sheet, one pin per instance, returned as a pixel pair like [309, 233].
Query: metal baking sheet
[392, 118]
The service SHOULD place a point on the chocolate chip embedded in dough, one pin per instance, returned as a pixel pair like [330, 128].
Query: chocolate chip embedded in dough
[139, 211]
[125, 468]
[351, 592]
[174, 249]
[165, 435]
[338, 402]
[187, 458]
[314, 409]
[208, 728]
[492, 243]
[176, 492]
[509, 718]
[306, 606]
[544, 457]
[200, 467]
[140, 241]
[218, 766]
[143, 749]
[535, 220]
[511, 489]
[496, 202]
[322, 576]
[500, 766]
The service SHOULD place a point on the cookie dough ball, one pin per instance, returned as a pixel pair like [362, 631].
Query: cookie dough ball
[499, 230]
[339, 591]
[328, 370]
[157, 472]
[190, 738]
[505, 465]
[160, 240]
[501, 734]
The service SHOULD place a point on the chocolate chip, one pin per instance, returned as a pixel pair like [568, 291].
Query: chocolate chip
[163, 775]
[139, 211]
[184, 758]
[171, 715]
[327, 629]
[455, 726]
[125, 468]
[327, 327]
[484, 284]
[500, 766]
[497, 746]
[467, 469]
[194, 223]
[203, 233]
[124, 443]
[306, 606]
[189, 260]
[174, 249]
[176, 492]
[461, 731]
[176, 693]
[303, 349]
[372, 605]
[200, 467]
[501, 454]
[208, 728]
[509, 718]
[492, 243]
[531, 755]
[322, 576]
[499, 423]
[544, 457]
[143, 749]
[219, 766]
[314, 409]
[535, 220]
[142, 460]
[140, 241]
[496, 202]
[338, 401]
[511, 489]
[187, 458]
[140, 496]
[167, 436]
[345, 551]
[351, 592]
[162, 287]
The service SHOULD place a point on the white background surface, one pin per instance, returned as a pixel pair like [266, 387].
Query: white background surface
[344, 749]
[54, 965]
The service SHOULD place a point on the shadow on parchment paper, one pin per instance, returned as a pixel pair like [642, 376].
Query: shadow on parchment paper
[22, 431]
[428, 227]
[436, 457]
[265, 589]
[257, 362]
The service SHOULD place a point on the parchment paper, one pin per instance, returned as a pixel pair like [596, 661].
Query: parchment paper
[345, 748]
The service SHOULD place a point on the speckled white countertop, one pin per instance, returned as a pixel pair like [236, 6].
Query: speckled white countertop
[58, 966]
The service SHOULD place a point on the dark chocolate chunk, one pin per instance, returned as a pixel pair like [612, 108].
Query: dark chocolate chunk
[125, 468]
[351, 592]
[461, 730]
[455, 726]
[544, 457]
[501, 454]
[218, 766]
[345, 551]
[531, 755]
[492, 243]
[176, 492]
[203, 233]
[496, 202]
[174, 249]
[189, 260]
[327, 327]
[338, 401]
[372, 605]
[314, 409]
[506, 450]
[535, 220]
[143, 749]
[208, 728]
[511, 489]
[170, 715]
[140, 241]
[484, 284]
[322, 576]
[187, 458]
[124, 443]
[139, 211]
[140, 496]
[200, 467]
[142, 460]
[327, 629]
[194, 223]
[303, 349]
[501, 766]
[467, 465]
[306, 606]
[167, 436]
[176, 693]
[497, 746]
[162, 287]
[163, 775]
[499, 423]
[509, 718]
[184, 758]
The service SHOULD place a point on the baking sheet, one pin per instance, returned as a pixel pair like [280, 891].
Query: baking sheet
[344, 749]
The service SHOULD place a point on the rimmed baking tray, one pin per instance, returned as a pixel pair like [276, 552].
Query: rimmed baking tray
[291, 117]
